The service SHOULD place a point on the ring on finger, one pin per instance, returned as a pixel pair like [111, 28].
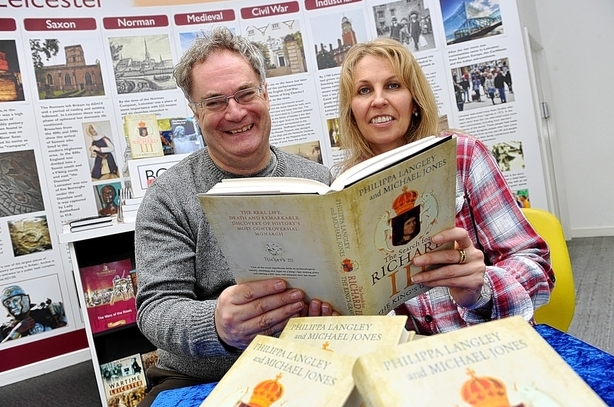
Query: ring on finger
[463, 256]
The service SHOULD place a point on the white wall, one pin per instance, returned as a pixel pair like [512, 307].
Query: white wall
[578, 47]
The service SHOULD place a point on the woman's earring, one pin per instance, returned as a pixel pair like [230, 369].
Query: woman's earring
[416, 114]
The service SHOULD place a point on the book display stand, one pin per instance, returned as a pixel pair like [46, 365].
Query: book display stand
[109, 246]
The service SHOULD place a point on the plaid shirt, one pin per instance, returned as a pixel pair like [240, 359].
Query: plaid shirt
[517, 259]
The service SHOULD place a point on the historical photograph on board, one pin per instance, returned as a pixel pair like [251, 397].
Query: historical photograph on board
[66, 70]
[11, 84]
[20, 189]
[509, 155]
[32, 307]
[29, 235]
[281, 42]
[465, 20]
[407, 22]
[101, 150]
[142, 63]
[334, 34]
[483, 84]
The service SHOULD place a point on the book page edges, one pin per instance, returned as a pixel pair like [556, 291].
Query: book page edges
[381, 161]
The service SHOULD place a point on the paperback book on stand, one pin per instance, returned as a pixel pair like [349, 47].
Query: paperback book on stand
[349, 244]
[143, 135]
[109, 295]
[124, 381]
[501, 363]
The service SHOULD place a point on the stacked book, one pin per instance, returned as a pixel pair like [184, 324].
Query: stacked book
[128, 208]
[92, 222]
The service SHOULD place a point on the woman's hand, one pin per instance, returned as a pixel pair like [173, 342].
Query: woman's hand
[463, 275]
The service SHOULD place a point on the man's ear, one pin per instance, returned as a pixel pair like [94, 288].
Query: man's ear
[265, 86]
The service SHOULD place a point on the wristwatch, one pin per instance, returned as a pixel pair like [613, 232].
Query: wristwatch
[485, 295]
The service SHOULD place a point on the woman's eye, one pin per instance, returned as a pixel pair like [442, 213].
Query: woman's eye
[363, 91]
[394, 86]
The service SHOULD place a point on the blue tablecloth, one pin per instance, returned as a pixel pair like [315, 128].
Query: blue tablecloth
[592, 364]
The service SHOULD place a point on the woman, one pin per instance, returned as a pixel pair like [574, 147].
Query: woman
[101, 149]
[500, 266]
[489, 86]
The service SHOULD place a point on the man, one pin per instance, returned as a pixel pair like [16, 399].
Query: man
[415, 30]
[108, 193]
[500, 84]
[188, 303]
[395, 30]
[27, 319]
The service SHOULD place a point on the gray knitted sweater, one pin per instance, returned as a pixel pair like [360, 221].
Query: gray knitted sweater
[181, 270]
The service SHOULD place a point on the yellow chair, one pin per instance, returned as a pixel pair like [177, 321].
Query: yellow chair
[558, 313]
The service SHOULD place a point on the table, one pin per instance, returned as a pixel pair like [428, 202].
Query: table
[592, 364]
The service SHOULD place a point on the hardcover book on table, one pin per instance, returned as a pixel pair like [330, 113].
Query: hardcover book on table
[277, 372]
[349, 244]
[109, 295]
[502, 363]
[351, 335]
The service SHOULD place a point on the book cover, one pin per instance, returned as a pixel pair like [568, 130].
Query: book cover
[502, 363]
[124, 381]
[277, 372]
[149, 359]
[186, 137]
[350, 244]
[145, 171]
[90, 226]
[109, 295]
[351, 335]
[90, 220]
[143, 135]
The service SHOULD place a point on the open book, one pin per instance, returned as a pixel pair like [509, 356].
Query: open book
[350, 244]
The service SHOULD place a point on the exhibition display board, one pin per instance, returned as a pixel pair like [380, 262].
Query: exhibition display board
[71, 70]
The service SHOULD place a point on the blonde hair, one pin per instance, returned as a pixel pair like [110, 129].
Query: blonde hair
[93, 127]
[409, 72]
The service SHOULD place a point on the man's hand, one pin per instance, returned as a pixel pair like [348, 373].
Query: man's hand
[261, 307]
[20, 328]
[318, 308]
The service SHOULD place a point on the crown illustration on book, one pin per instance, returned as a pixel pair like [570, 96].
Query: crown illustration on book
[484, 391]
[142, 125]
[266, 393]
[347, 265]
[405, 201]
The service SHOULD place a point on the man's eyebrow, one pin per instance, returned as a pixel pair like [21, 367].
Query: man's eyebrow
[215, 94]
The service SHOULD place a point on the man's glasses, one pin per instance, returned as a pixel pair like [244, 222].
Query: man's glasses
[218, 103]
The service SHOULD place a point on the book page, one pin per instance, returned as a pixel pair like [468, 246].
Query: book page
[374, 164]
[268, 185]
